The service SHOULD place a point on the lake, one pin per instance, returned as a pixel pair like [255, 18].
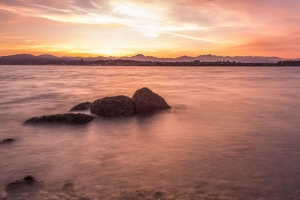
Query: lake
[232, 133]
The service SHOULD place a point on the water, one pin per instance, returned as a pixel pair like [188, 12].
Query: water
[232, 132]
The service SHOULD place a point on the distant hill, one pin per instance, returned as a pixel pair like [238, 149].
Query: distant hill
[141, 57]
[208, 58]
[26, 57]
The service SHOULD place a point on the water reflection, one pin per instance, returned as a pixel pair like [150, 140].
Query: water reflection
[231, 133]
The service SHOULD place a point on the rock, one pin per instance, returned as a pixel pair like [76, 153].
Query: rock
[68, 187]
[7, 141]
[147, 101]
[26, 184]
[141, 195]
[117, 106]
[158, 194]
[81, 106]
[69, 118]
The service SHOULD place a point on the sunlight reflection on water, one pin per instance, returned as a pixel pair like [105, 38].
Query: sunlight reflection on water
[231, 132]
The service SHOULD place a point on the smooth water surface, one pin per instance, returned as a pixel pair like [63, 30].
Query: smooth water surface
[232, 132]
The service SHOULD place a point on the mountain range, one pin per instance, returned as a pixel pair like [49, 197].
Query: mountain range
[141, 57]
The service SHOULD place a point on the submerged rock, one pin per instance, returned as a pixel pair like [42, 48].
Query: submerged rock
[26, 184]
[158, 194]
[147, 101]
[81, 106]
[68, 187]
[69, 118]
[117, 106]
[141, 195]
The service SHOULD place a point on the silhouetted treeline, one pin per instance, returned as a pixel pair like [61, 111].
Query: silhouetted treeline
[121, 62]
[289, 63]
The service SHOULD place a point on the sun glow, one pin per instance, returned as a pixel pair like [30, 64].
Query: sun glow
[108, 52]
[119, 27]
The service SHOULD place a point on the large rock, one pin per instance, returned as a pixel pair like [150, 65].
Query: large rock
[147, 101]
[69, 118]
[117, 106]
[81, 106]
[26, 184]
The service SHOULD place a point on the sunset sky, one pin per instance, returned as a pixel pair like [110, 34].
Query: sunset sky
[151, 27]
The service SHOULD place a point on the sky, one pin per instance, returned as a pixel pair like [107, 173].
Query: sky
[150, 27]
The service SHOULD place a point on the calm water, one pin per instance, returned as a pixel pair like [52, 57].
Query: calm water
[232, 133]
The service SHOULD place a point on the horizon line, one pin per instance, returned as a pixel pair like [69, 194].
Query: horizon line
[141, 54]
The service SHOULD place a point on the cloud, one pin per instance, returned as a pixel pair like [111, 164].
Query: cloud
[220, 24]
[149, 18]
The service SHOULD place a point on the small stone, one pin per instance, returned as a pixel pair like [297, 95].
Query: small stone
[7, 141]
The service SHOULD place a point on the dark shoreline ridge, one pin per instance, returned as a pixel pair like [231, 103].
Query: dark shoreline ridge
[141, 60]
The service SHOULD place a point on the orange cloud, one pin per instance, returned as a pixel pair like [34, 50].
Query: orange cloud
[162, 28]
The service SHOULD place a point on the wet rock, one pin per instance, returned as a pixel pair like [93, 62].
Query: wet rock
[158, 195]
[141, 195]
[7, 141]
[69, 118]
[147, 101]
[81, 106]
[29, 183]
[117, 106]
[68, 187]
